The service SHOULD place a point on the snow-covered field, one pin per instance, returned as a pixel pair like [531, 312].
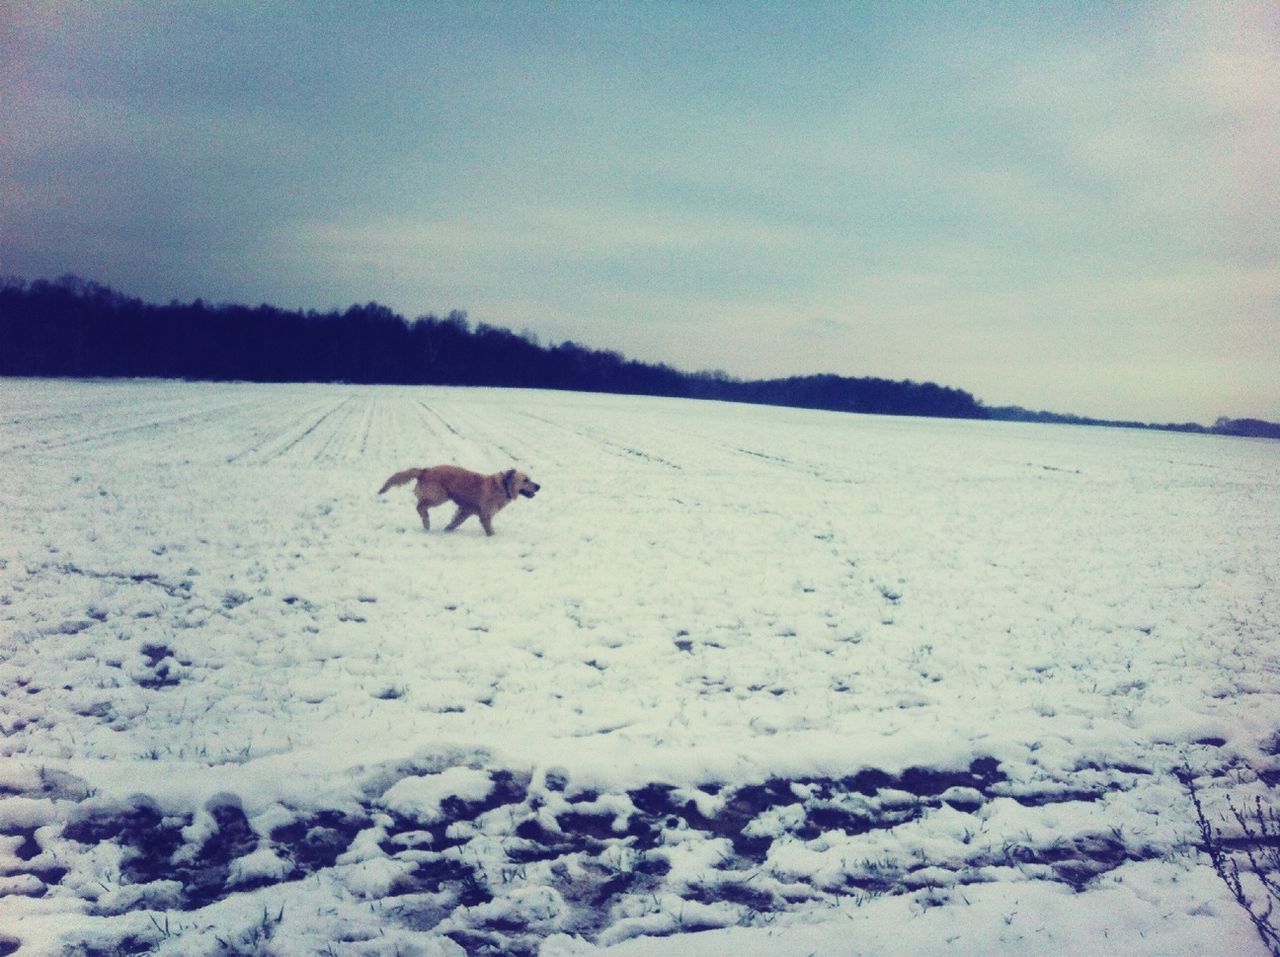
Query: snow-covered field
[739, 680]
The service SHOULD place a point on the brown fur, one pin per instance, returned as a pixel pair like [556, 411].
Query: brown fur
[473, 493]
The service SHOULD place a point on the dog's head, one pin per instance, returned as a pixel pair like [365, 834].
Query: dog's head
[517, 483]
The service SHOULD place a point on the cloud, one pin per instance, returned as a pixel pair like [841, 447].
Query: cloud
[871, 191]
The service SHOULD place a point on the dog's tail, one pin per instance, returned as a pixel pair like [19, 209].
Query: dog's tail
[400, 478]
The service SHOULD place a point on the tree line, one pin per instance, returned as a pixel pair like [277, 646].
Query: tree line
[72, 327]
[77, 328]
[1242, 428]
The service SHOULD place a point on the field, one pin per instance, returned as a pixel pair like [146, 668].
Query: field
[740, 680]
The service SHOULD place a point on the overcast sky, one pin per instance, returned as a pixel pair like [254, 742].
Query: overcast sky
[1069, 206]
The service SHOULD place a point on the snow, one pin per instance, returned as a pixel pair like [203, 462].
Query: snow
[775, 681]
[421, 798]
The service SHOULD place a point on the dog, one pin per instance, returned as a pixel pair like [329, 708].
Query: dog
[473, 493]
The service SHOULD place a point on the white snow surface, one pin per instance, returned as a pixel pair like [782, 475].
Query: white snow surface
[739, 680]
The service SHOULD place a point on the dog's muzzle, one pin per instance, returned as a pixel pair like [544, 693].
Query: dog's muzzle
[529, 492]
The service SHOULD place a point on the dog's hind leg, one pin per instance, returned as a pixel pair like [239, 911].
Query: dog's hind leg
[459, 517]
[423, 508]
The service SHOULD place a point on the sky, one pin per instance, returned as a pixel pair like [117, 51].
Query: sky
[1069, 206]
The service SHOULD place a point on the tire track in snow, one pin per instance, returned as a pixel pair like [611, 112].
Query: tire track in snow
[306, 433]
[274, 443]
[795, 467]
[163, 426]
[596, 440]
[27, 416]
[459, 447]
[366, 425]
[488, 428]
[343, 432]
[436, 416]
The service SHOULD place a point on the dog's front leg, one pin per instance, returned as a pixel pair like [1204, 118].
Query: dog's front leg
[459, 517]
[487, 521]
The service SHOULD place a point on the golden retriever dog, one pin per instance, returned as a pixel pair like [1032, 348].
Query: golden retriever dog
[473, 493]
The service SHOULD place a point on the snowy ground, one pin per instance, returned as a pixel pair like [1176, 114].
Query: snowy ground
[738, 681]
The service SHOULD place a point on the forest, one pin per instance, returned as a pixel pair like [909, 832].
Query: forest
[78, 328]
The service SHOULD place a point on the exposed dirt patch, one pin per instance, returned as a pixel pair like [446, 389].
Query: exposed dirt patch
[604, 856]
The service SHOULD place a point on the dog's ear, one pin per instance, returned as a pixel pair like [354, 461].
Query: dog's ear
[509, 482]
